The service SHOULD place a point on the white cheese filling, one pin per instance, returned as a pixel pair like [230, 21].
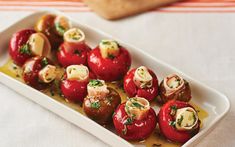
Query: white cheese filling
[39, 44]
[97, 89]
[74, 35]
[142, 78]
[172, 83]
[186, 118]
[77, 72]
[108, 48]
[137, 108]
[62, 24]
[47, 74]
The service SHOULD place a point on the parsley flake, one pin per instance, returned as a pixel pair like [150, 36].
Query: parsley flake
[95, 105]
[128, 121]
[135, 104]
[110, 56]
[172, 123]
[179, 121]
[44, 62]
[24, 49]
[94, 83]
[60, 29]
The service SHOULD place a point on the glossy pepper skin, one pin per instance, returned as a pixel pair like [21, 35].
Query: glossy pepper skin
[32, 78]
[136, 129]
[16, 50]
[169, 131]
[72, 53]
[106, 106]
[132, 90]
[74, 90]
[109, 69]
[183, 94]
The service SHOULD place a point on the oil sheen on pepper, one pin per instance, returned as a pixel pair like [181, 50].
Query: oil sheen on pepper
[154, 140]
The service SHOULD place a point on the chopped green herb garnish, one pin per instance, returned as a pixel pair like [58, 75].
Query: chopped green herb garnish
[61, 30]
[128, 121]
[94, 83]
[44, 62]
[75, 35]
[179, 121]
[135, 104]
[172, 123]
[133, 116]
[110, 56]
[173, 109]
[24, 49]
[106, 42]
[95, 105]
[117, 44]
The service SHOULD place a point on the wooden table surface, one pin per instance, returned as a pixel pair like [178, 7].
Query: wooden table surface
[185, 6]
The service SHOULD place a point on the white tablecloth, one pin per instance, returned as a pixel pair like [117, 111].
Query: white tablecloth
[201, 45]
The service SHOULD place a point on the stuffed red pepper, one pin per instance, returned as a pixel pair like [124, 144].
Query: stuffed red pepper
[134, 119]
[73, 50]
[26, 44]
[141, 82]
[74, 83]
[178, 121]
[39, 72]
[109, 61]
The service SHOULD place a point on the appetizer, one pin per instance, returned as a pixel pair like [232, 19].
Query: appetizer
[93, 80]
[54, 28]
[141, 82]
[174, 87]
[134, 119]
[74, 83]
[74, 49]
[109, 61]
[100, 102]
[178, 121]
[39, 72]
[26, 44]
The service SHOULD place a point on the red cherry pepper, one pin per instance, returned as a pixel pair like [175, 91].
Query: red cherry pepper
[132, 90]
[169, 131]
[74, 90]
[18, 48]
[32, 77]
[109, 69]
[72, 53]
[134, 129]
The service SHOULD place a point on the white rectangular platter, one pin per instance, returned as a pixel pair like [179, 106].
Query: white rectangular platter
[212, 101]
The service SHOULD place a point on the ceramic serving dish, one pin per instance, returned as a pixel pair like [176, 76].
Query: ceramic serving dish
[213, 102]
